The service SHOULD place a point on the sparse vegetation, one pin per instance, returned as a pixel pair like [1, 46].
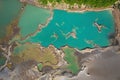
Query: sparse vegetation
[91, 3]
[71, 60]
[117, 5]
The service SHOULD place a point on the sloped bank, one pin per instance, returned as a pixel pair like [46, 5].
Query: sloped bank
[116, 14]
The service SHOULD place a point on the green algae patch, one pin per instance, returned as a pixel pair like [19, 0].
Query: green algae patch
[71, 60]
[19, 49]
[28, 51]
[31, 18]
[40, 66]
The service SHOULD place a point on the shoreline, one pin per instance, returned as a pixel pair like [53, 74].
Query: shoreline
[66, 7]
[116, 16]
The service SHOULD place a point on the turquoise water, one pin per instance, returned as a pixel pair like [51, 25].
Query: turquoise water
[31, 18]
[63, 22]
[8, 11]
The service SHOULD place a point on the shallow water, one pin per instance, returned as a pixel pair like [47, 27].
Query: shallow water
[31, 18]
[71, 60]
[58, 31]
[8, 11]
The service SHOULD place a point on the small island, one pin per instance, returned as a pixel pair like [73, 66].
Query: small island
[99, 26]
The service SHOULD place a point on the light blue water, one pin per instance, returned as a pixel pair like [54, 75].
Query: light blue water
[31, 18]
[9, 9]
[63, 22]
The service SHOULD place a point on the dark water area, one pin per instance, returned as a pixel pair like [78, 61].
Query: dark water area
[9, 9]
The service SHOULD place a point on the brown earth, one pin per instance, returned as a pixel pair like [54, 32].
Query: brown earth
[116, 14]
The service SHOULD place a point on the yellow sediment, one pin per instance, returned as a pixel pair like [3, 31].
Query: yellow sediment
[46, 56]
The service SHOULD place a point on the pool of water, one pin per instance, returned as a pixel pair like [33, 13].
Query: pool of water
[31, 18]
[9, 9]
[76, 29]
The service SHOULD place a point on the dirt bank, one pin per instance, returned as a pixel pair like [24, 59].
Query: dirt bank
[116, 14]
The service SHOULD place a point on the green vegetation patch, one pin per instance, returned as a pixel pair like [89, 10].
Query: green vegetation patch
[92, 3]
[71, 59]
[40, 66]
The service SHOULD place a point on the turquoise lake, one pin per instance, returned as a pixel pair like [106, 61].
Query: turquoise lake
[82, 24]
[9, 9]
[57, 32]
